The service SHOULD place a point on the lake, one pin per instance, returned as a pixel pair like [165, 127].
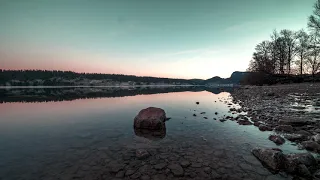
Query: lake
[87, 133]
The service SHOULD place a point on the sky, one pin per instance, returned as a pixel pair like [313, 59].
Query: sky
[162, 38]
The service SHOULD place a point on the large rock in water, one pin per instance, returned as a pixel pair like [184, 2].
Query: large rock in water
[273, 159]
[150, 118]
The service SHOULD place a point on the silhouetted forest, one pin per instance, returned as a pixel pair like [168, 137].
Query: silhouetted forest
[64, 78]
[69, 78]
[290, 52]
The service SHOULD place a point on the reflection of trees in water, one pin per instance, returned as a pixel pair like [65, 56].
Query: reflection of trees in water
[69, 94]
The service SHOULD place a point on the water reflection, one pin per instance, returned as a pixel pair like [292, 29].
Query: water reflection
[153, 135]
[94, 139]
[70, 93]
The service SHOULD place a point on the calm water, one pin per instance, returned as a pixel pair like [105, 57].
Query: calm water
[52, 134]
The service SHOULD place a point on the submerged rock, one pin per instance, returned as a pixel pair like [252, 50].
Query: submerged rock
[277, 139]
[150, 118]
[185, 163]
[273, 159]
[142, 154]
[176, 169]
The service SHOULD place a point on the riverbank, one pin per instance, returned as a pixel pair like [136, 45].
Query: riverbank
[296, 105]
[291, 112]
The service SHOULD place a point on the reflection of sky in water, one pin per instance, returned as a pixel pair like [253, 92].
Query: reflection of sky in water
[34, 129]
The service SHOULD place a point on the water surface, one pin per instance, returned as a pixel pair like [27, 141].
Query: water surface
[87, 133]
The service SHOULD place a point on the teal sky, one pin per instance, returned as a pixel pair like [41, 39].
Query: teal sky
[167, 38]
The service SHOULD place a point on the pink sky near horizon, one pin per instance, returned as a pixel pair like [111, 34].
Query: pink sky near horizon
[68, 59]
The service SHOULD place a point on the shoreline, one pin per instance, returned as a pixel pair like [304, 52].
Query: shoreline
[295, 105]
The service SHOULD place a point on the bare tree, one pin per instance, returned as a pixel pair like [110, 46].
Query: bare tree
[289, 39]
[303, 41]
[314, 20]
[314, 52]
[274, 46]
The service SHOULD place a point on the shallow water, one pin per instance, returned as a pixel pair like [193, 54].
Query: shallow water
[94, 138]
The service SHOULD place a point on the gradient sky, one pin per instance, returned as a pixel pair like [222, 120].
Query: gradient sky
[165, 38]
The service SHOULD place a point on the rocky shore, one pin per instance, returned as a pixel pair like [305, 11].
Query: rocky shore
[290, 112]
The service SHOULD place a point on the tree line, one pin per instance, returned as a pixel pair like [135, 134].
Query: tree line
[54, 77]
[290, 52]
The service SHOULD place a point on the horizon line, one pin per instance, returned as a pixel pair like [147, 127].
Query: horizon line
[6, 69]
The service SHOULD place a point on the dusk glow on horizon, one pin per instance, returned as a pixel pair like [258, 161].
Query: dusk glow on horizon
[176, 39]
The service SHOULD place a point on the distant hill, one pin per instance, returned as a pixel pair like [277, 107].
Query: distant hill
[235, 78]
[68, 78]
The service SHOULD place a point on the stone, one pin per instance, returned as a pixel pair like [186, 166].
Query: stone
[194, 115]
[244, 122]
[284, 128]
[277, 139]
[185, 163]
[114, 168]
[129, 172]
[303, 170]
[257, 123]
[303, 132]
[145, 177]
[215, 175]
[271, 94]
[135, 175]
[263, 127]
[142, 154]
[159, 177]
[317, 174]
[295, 122]
[273, 159]
[150, 118]
[311, 146]
[316, 138]
[207, 170]
[196, 165]
[160, 166]
[120, 174]
[293, 160]
[295, 137]
[176, 169]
